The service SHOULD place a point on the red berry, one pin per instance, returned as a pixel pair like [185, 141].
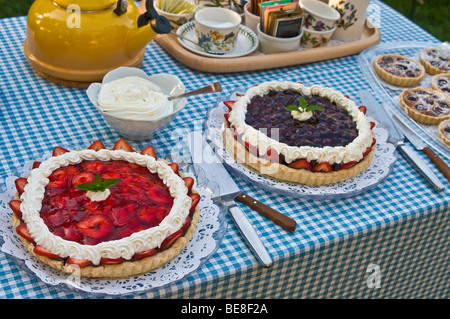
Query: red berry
[59, 151]
[83, 177]
[372, 125]
[348, 165]
[122, 145]
[111, 261]
[159, 196]
[39, 250]
[145, 253]
[174, 167]
[15, 207]
[363, 109]
[322, 167]
[229, 104]
[20, 184]
[36, 164]
[96, 226]
[171, 239]
[149, 150]
[96, 146]
[302, 163]
[189, 182]
[22, 230]
[79, 262]
[195, 200]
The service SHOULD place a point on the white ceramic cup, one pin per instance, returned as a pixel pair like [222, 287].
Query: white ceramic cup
[315, 39]
[269, 44]
[319, 16]
[251, 20]
[216, 29]
[353, 16]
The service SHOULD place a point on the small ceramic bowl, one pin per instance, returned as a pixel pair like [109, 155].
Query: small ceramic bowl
[140, 129]
[251, 20]
[269, 44]
[315, 39]
[176, 20]
[216, 29]
[319, 16]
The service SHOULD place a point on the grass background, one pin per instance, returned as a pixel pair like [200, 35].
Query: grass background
[431, 15]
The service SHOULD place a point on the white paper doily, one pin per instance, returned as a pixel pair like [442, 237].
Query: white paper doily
[205, 241]
[380, 167]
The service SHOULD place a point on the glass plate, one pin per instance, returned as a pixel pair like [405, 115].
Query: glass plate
[380, 167]
[390, 94]
[204, 243]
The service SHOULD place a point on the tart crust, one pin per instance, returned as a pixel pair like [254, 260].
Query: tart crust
[398, 80]
[430, 69]
[444, 136]
[418, 116]
[286, 174]
[436, 78]
[124, 269]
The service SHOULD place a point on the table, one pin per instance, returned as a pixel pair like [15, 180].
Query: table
[400, 230]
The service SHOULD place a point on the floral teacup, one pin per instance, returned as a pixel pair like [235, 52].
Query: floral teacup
[315, 39]
[353, 15]
[216, 29]
[319, 16]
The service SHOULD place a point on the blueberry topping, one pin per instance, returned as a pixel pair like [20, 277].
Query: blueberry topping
[411, 98]
[410, 74]
[442, 82]
[421, 107]
[429, 101]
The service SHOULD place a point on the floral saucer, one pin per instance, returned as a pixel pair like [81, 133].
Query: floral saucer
[247, 42]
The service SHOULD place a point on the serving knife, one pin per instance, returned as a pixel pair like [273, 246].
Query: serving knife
[398, 140]
[421, 146]
[203, 156]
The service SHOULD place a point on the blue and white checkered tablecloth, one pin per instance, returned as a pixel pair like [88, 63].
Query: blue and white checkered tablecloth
[401, 226]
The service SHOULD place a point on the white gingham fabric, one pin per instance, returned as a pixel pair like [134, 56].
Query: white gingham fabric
[402, 226]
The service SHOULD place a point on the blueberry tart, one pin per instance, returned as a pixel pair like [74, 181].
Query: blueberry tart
[435, 60]
[399, 70]
[441, 83]
[425, 105]
[444, 131]
[293, 133]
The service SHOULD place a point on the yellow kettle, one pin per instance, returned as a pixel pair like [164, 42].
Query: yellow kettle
[76, 42]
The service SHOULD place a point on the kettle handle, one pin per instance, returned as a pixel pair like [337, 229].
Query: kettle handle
[158, 23]
[121, 7]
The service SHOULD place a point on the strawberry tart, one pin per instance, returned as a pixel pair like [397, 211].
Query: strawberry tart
[105, 213]
[293, 133]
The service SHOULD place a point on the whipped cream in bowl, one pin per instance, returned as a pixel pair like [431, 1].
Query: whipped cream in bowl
[135, 104]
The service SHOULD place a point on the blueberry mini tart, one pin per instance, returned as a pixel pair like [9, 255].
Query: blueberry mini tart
[425, 105]
[435, 60]
[105, 213]
[399, 70]
[441, 82]
[298, 134]
[444, 131]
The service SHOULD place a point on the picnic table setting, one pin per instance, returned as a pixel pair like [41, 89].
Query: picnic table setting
[223, 149]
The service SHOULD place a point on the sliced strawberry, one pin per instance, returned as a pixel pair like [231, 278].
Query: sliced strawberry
[302, 163]
[83, 177]
[22, 230]
[272, 155]
[146, 253]
[36, 164]
[363, 109]
[322, 167]
[39, 250]
[367, 151]
[122, 145]
[189, 182]
[79, 262]
[20, 184]
[120, 215]
[240, 94]
[372, 125]
[374, 141]
[111, 261]
[109, 174]
[159, 196]
[348, 165]
[171, 239]
[195, 200]
[59, 151]
[174, 167]
[96, 146]
[94, 166]
[69, 232]
[227, 118]
[96, 226]
[15, 207]
[186, 223]
[152, 215]
[229, 104]
[149, 150]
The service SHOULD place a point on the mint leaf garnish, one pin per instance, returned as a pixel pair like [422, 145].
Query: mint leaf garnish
[303, 106]
[98, 185]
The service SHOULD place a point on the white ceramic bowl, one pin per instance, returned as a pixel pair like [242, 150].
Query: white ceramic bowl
[251, 20]
[140, 129]
[315, 39]
[319, 15]
[269, 44]
[176, 20]
[216, 29]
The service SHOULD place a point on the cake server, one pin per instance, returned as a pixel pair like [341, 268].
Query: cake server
[203, 156]
[421, 146]
[398, 140]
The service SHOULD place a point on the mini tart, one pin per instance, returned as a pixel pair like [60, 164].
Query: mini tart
[441, 82]
[150, 229]
[444, 131]
[326, 148]
[435, 60]
[399, 70]
[425, 105]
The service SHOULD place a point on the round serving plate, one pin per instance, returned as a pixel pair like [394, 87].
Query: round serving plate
[380, 167]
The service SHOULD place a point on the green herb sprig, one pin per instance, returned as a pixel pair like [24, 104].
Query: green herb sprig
[303, 106]
[98, 185]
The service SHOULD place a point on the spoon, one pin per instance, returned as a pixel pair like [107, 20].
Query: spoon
[195, 43]
[211, 88]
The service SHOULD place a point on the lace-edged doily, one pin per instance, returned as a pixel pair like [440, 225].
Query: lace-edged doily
[380, 167]
[205, 241]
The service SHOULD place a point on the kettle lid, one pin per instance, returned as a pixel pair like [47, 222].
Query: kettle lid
[87, 5]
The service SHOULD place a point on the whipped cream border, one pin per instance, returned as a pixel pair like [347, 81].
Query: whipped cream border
[126, 247]
[340, 154]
